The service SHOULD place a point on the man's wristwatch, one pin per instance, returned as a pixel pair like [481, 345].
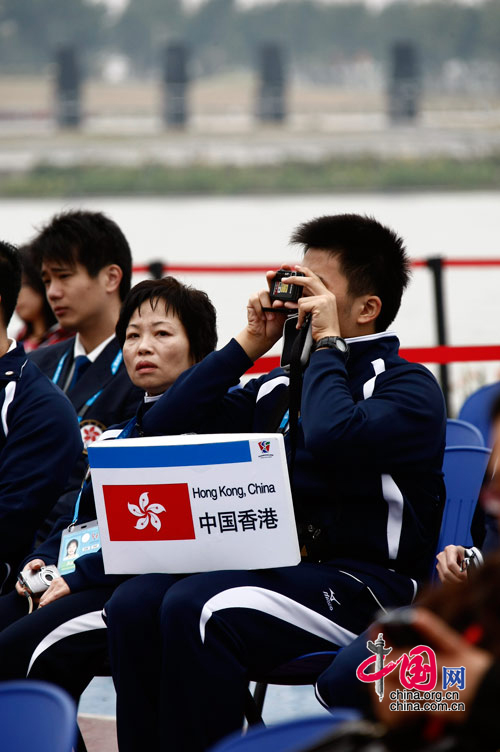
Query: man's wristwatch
[334, 343]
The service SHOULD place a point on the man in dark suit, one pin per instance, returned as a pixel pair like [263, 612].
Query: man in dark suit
[86, 266]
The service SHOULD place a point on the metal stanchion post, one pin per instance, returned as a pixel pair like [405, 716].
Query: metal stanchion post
[436, 266]
[156, 269]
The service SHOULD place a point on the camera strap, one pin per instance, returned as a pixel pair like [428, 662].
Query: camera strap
[310, 536]
[295, 393]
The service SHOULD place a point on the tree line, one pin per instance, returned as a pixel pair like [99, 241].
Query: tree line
[223, 35]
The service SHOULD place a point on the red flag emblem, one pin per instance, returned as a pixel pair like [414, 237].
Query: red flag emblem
[149, 512]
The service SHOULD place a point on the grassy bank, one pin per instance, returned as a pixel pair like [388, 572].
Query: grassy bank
[353, 174]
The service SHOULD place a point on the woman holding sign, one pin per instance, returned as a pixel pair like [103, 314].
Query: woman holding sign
[164, 328]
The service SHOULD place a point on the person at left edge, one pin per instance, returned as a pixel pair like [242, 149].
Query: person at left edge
[86, 266]
[39, 436]
[164, 327]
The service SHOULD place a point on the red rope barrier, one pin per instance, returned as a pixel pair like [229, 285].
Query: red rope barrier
[261, 269]
[440, 354]
[207, 269]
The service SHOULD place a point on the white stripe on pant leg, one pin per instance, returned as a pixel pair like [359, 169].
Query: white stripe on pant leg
[368, 588]
[279, 606]
[319, 698]
[83, 623]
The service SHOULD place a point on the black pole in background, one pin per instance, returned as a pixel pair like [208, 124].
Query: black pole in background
[436, 267]
[68, 88]
[404, 82]
[156, 269]
[271, 84]
[175, 85]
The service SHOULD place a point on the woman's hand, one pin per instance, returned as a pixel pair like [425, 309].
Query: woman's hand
[58, 588]
[32, 566]
[449, 564]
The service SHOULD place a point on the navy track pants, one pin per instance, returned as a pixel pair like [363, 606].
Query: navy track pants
[183, 650]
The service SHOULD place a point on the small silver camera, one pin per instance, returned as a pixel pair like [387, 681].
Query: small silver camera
[38, 582]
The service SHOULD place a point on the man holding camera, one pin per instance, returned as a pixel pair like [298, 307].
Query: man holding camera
[366, 483]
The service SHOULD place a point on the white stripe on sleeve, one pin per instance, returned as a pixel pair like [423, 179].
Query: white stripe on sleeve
[10, 391]
[394, 499]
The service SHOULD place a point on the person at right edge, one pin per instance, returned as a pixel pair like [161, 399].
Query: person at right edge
[367, 487]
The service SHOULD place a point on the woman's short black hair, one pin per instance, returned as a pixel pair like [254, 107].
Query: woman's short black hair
[192, 306]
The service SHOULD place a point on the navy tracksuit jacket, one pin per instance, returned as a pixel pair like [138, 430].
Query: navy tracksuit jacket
[39, 444]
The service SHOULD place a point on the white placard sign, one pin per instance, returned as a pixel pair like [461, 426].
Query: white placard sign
[193, 503]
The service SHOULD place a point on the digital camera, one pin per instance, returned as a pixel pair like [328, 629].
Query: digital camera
[279, 289]
[38, 581]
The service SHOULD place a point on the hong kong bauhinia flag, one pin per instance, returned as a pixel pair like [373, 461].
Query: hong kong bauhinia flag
[149, 512]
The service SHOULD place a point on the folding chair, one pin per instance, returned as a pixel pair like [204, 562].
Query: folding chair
[36, 715]
[464, 468]
[477, 409]
[461, 433]
[287, 737]
[304, 669]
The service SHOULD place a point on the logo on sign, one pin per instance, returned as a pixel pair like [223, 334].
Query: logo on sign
[129, 520]
[264, 446]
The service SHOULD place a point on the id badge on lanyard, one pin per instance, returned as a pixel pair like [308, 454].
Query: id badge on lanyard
[79, 540]
[76, 542]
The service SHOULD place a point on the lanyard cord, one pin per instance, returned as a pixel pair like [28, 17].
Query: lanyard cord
[57, 373]
[115, 365]
[125, 433]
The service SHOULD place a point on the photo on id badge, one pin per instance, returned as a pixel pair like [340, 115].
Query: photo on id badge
[80, 540]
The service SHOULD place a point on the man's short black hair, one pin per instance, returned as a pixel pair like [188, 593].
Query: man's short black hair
[372, 257]
[89, 238]
[192, 306]
[10, 280]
